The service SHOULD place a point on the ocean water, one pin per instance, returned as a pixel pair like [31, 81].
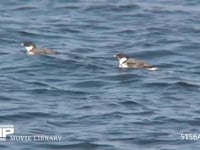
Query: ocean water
[81, 94]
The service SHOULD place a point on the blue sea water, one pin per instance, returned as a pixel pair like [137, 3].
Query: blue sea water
[81, 94]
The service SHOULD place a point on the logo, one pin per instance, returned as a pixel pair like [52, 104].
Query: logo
[6, 130]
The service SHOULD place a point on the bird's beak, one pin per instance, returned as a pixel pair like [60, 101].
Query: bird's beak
[114, 55]
[22, 44]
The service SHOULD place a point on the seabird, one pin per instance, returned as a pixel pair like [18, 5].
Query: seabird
[32, 50]
[126, 62]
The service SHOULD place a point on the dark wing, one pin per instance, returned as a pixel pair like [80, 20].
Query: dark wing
[45, 51]
[138, 64]
[48, 51]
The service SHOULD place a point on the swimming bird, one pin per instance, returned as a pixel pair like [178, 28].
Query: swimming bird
[32, 50]
[126, 62]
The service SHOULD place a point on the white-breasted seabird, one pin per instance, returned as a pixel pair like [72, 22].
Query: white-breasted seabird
[126, 62]
[32, 50]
